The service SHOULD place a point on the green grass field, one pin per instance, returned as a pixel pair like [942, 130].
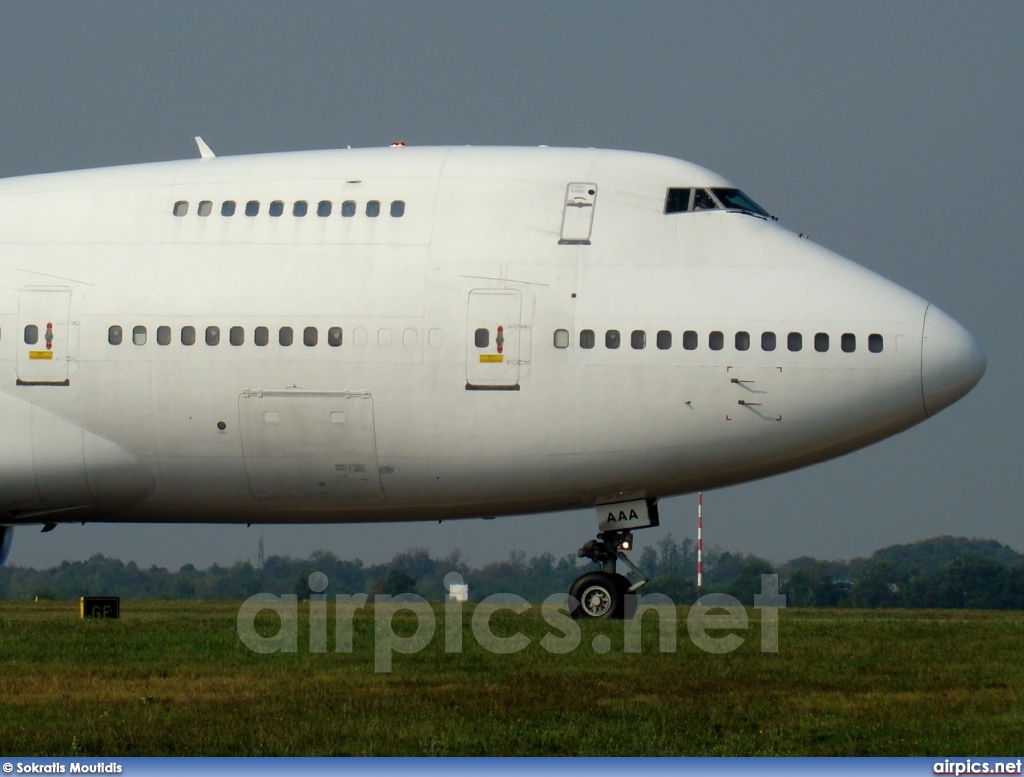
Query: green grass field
[175, 679]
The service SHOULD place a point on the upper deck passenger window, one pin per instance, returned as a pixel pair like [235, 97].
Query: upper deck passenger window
[227, 208]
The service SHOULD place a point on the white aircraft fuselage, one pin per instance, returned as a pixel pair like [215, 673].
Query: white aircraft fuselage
[407, 334]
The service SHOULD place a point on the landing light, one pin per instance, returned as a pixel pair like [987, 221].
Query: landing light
[626, 543]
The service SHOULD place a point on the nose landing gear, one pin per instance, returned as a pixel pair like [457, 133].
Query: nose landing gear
[607, 594]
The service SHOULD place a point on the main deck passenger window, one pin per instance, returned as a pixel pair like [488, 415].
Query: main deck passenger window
[213, 335]
[612, 339]
[205, 208]
[795, 341]
[276, 208]
[638, 339]
[285, 336]
[348, 208]
[716, 341]
[163, 335]
[310, 336]
[848, 342]
[587, 338]
[561, 339]
[261, 336]
[236, 336]
[334, 336]
[767, 341]
[875, 343]
[690, 340]
[397, 209]
[252, 208]
[373, 208]
[324, 208]
[114, 335]
[664, 340]
[139, 335]
[742, 341]
[821, 342]
[188, 335]
[300, 208]
[227, 208]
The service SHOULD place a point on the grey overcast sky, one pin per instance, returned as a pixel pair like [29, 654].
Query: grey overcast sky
[891, 132]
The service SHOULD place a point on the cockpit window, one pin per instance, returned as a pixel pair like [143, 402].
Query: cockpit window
[692, 200]
[734, 199]
[677, 200]
[702, 200]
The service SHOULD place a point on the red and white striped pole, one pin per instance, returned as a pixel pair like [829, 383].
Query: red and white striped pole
[700, 539]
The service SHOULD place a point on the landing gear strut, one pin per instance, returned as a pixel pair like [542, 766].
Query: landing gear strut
[606, 594]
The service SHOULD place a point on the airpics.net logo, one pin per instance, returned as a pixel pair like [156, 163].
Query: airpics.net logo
[715, 613]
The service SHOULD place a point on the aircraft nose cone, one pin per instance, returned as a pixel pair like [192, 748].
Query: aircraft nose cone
[952, 362]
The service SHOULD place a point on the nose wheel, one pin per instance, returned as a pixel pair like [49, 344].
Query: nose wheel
[606, 594]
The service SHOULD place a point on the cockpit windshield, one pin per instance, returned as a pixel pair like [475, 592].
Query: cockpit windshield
[734, 199]
[693, 200]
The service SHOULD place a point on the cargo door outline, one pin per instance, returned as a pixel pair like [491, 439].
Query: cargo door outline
[45, 312]
[310, 445]
[578, 214]
[496, 365]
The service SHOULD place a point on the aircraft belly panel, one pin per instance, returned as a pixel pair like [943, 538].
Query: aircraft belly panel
[310, 445]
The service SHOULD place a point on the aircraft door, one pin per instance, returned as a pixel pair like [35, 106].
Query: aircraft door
[44, 351]
[578, 214]
[494, 340]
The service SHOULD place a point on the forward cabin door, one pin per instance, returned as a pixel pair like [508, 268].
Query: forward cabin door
[494, 340]
[44, 347]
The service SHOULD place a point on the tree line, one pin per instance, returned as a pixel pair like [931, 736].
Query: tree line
[944, 572]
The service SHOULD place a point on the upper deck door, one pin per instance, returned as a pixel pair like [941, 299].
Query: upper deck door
[578, 213]
[494, 340]
[44, 314]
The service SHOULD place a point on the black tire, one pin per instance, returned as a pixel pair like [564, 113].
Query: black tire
[597, 596]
